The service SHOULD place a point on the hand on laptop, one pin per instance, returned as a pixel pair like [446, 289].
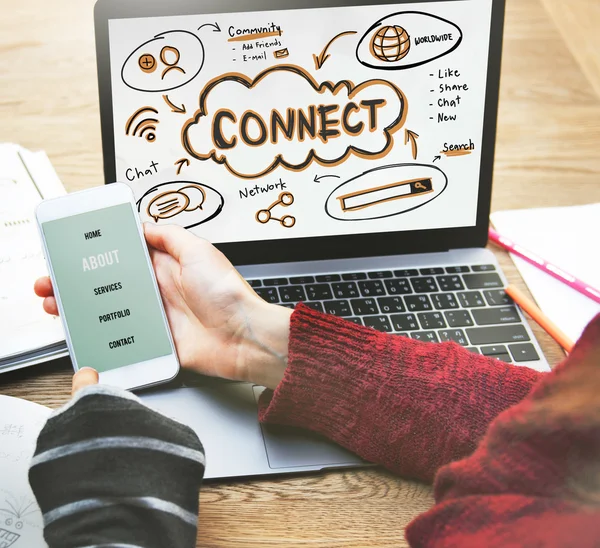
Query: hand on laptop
[220, 326]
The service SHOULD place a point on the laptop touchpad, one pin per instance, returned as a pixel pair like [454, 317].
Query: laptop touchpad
[295, 448]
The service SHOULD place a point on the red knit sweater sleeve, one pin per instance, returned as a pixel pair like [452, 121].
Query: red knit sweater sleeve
[532, 480]
[407, 405]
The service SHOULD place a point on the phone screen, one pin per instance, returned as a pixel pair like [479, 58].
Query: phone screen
[111, 308]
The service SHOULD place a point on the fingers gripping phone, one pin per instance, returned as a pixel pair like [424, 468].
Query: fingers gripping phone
[105, 287]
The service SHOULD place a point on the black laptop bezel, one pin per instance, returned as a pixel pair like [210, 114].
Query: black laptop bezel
[327, 247]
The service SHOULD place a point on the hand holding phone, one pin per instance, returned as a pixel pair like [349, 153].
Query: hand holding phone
[220, 326]
[105, 287]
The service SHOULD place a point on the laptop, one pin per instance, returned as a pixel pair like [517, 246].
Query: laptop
[339, 152]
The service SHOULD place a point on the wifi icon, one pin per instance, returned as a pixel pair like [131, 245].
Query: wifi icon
[143, 124]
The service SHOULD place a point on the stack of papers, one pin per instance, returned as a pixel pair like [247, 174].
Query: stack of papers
[568, 238]
[28, 335]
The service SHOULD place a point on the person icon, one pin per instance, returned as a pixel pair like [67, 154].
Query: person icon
[170, 56]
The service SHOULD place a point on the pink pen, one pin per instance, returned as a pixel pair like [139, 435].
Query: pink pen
[545, 266]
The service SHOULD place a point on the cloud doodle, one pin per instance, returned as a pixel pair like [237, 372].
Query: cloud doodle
[285, 118]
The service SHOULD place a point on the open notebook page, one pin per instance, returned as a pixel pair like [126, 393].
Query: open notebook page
[21, 523]
[567, 237]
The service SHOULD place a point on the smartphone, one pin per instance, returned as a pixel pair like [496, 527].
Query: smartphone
[105, 287]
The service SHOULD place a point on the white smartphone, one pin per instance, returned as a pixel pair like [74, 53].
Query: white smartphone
[105, 287]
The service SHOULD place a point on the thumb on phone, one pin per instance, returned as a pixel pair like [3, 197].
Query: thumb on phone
[84, 377]
[171, 239]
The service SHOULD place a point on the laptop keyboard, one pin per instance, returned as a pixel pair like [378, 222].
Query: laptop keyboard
[464, 304]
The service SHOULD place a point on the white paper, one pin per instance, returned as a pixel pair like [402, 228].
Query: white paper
[24, 326]
[174, 78]
[21, 523]
[568, 238]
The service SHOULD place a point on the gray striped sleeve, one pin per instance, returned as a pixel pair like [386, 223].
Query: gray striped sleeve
[109, 471]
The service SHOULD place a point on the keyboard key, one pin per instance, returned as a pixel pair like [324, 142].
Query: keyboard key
[444, 301]
[450, 283]
[431, 320]
[381, 323]
[405, 273]
[292, 294]
[371, 289]
[404, 322]
[524, 352]
[328, 278]
[424, 285]
[364, 307]
[497, 334]
[418, 303]
[380, 275]
[455, 335]
[431, 271]
[473, 349]
[497, 350]
[346, 290]
[398, 287]
[354, 277]
[459, 318]
[425, 336]
[502, 358]
[315, 306]
[268, 294]
[458, 269]
[484, 268]
[255, 283]
[491, 316]
[276, 281]
[289, 305]
[497, 298]
[357, 321]
[319, 292]
[390, 305]
[338, 308]
[302, 280]
[471, 299]
[482, 281]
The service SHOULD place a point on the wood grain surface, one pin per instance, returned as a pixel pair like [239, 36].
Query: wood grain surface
[547, 155]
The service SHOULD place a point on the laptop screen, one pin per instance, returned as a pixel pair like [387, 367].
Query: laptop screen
[296, 124]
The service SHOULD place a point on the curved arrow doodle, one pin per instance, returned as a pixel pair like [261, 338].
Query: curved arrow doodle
[323, 56]
[174, 108]
[319, 179]
[213, 25]
[412, 137]
[181, 163]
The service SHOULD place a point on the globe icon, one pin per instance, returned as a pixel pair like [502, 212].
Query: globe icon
[390, 43]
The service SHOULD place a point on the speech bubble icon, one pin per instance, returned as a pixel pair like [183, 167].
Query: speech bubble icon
[197, 196]
[170, 60]
[167, 205]
[406, 40]
[184, 203]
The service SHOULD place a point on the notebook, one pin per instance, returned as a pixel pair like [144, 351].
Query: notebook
[21, 523]
[27, 334]
[567, 237]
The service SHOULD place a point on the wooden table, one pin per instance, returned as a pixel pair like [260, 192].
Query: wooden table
[548, 154]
